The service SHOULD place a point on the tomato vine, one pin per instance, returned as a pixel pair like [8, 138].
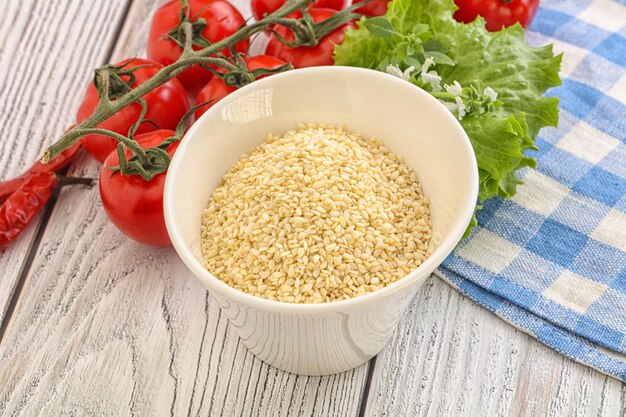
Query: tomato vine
[152, 161]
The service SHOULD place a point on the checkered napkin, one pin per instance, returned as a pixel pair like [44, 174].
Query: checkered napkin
[552, 261]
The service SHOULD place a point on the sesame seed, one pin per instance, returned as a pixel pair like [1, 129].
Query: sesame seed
[318, 214]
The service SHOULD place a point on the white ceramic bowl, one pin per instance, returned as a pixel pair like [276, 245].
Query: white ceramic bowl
[317, 339]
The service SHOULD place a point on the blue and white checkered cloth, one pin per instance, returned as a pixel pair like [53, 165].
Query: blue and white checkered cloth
[552, 261]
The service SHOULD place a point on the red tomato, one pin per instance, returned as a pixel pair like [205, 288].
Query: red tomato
[263, 7]
[167, 104]
[497, 13]
[216, 89]
[222, 20]
[133, 204]
[306, 56]
[373, 8]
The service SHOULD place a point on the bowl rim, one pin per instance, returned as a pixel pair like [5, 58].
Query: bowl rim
[214, 284]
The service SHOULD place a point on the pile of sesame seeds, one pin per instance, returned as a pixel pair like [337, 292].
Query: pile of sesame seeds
[315, 215]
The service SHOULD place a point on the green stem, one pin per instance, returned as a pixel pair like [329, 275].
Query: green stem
[130, 144]
[187, 29]
[220, 62]
[442, 95]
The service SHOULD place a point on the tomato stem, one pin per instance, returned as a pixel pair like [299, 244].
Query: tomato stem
[308, 33]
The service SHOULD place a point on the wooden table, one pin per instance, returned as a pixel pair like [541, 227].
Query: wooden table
[93, 324]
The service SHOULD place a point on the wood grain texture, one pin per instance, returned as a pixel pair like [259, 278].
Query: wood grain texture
[130, 332]
[451, 357]
[107, 327]
[46, 55]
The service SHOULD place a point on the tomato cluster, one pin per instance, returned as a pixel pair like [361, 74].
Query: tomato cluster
[135, 204]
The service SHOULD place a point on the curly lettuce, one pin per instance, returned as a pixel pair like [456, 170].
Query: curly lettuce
[415, 32]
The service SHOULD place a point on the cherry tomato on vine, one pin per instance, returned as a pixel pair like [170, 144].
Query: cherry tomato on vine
[373, 8]
[497, 13]
[217, 89]
[263, 7]
[167, 104]
[222, 20]
[133, 204]
[306, 56]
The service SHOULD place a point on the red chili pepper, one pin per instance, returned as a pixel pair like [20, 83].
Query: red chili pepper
[55, 165]
[21, 206]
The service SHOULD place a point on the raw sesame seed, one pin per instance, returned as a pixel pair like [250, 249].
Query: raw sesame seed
[316, 215]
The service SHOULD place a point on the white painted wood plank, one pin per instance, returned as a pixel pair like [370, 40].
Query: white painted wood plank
[130, 332]
[451, 357]
[108, 327]
[46, 54]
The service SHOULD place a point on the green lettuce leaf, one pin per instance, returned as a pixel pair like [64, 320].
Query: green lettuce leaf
[415, 29]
